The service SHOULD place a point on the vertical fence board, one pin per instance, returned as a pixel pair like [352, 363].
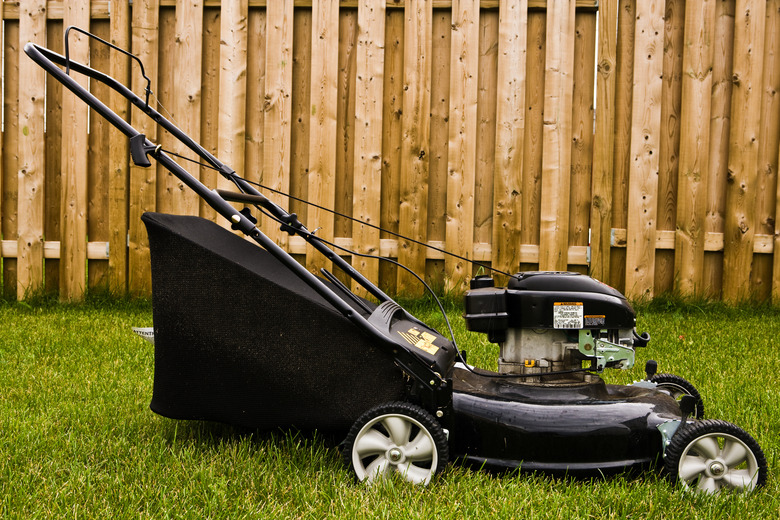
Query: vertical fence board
[624, 73]
[669, 139]
[462, 143]
[582, 130]
[73, 241]
[232, 88]
[142, 190]
[301, 107]
[694, 147]
[739, 227]
[645, 139]
[532, 147]
[769, 137]
[441, 45]
[52, 188]
[11, 57]
[169, 188]
[209, 108]
[277, 106]
[557, 132]
[391, 138]
[367, 192]
[98, 173]
[604, 142]
[510, 134]
[119, 153]
[485, 167]
[322, 130]
[186, 102]
[256, 55]
[345, 123]
[415, 150]
[32, 157]
[720, 124]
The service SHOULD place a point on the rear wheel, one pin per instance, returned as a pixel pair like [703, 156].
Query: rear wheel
[677, 387]
[710, 456]
[396, 439]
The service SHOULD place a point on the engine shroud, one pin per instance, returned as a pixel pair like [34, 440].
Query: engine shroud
[537, 317]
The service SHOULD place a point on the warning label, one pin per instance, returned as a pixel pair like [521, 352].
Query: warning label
[568, 315]
[420, 339]
[595, 321]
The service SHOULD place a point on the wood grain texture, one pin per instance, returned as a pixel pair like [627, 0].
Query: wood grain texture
[32, 158]
[118, 154]
[209, 108]
[391, 138]
[367, 190]
[187, 71]
[532, 147]
[11, 56]
[232, 88]
[557, 134]
[644, 150]
[582, 129]
[98, 169]
[669, 141]
[604, 142]
[624, 80]
[739, 225]
[73, 233]
[510, 134]
[142, 193]
[694, 147]
[322, 122]
[415, 149]
[277, 106]
[464, 61]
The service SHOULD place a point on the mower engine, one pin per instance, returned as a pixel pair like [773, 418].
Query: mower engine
[552, 325]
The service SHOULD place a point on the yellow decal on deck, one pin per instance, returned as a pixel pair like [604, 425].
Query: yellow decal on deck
[422, 340]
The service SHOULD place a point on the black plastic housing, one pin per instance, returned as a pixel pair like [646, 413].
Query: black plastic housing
[529, 299]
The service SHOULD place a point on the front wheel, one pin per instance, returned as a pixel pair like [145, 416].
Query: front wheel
[396, 439]
[709, 456]
[677, 387]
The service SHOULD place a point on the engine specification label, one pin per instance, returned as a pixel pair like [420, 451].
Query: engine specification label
[568, 315]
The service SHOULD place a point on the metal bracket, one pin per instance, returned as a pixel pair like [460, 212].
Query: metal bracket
[667, 429]
[605, 352]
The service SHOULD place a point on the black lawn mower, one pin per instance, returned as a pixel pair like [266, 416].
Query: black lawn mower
[246, 335]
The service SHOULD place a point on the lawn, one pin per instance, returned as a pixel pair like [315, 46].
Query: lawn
[77, 438]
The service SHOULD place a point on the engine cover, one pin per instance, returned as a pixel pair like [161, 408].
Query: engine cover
[550, 323]
[547, 300]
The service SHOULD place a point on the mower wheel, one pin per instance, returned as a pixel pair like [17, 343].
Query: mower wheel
[396, 438]
[677, 387]
[709, 456]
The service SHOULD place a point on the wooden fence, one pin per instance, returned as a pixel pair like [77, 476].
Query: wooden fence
[633, 139]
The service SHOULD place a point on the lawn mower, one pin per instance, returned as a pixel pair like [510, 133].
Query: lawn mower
[246, 335]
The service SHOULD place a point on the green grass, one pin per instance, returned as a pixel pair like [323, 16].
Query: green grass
[77, 438]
